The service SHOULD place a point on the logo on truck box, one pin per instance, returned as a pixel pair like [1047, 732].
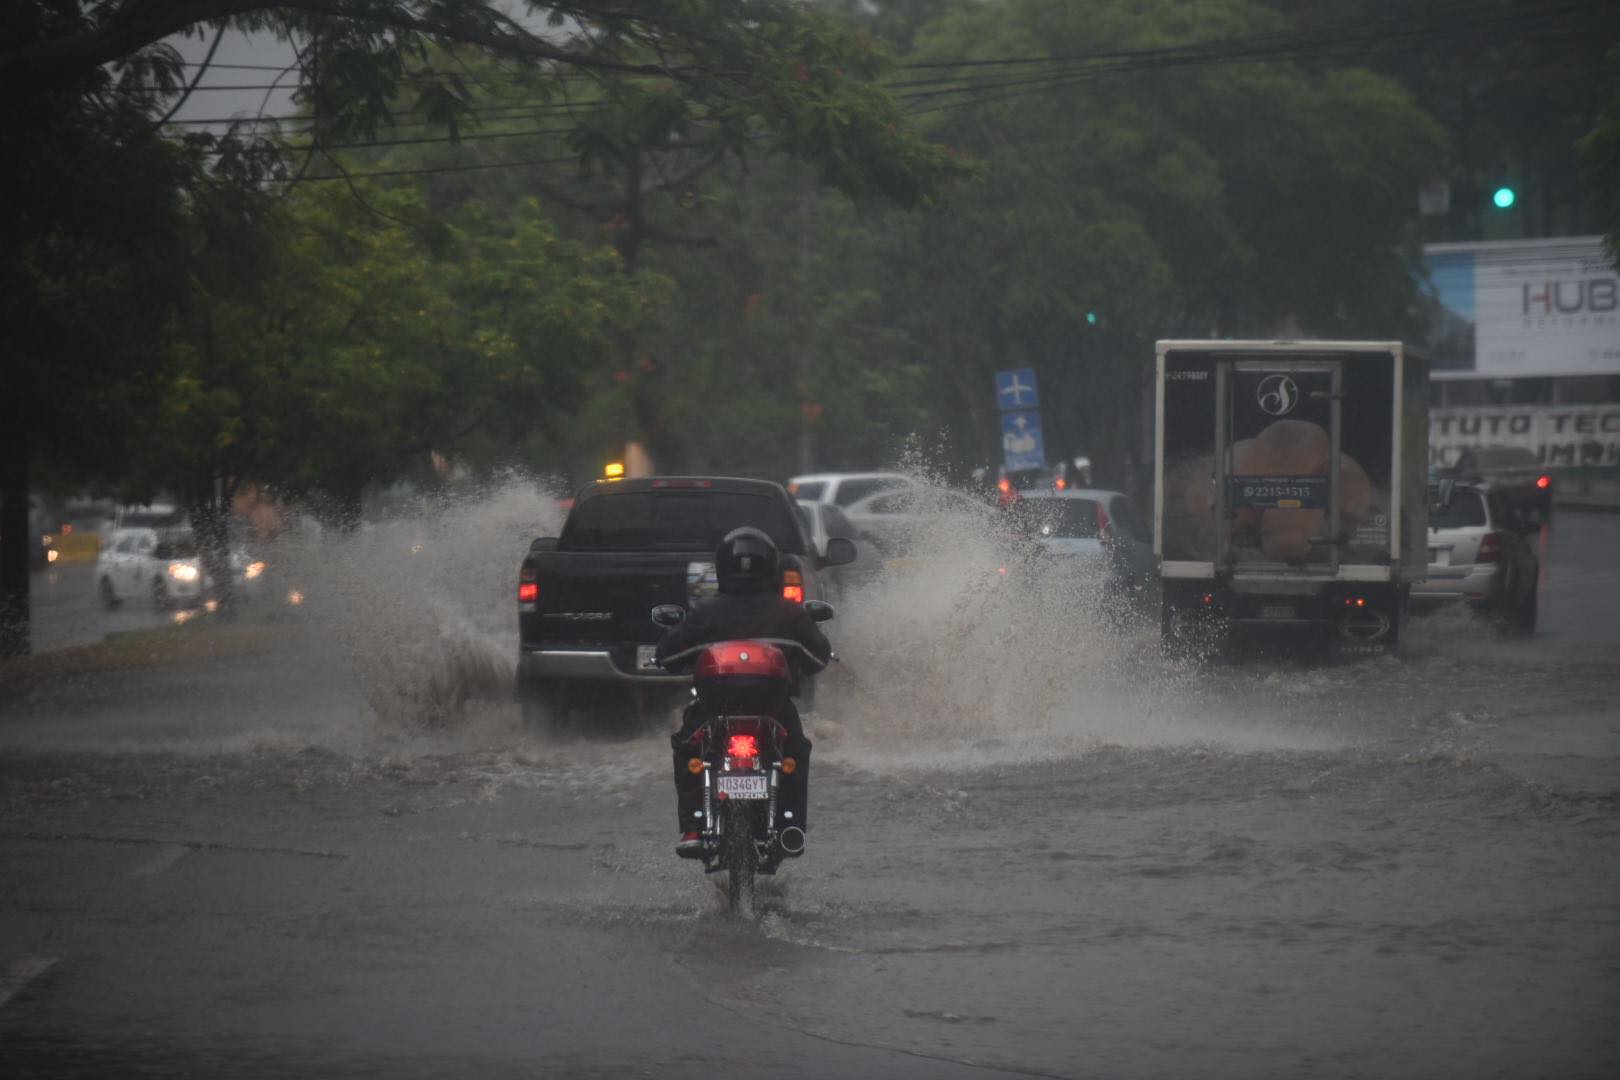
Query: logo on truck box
[1277, 395]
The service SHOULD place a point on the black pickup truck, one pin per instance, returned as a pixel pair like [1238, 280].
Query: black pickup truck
[585, 597]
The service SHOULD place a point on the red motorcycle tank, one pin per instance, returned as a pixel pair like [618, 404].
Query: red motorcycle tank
[742, 677]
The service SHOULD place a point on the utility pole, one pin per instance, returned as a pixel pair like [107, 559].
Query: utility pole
[807, 438]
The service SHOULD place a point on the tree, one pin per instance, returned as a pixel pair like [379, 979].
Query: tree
[1233, 197]
[1600, 164]
[83, 87]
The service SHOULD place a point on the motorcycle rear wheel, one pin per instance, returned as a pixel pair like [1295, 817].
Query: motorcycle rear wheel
[742, 859]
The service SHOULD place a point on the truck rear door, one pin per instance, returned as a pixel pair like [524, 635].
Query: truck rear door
[1277, 452]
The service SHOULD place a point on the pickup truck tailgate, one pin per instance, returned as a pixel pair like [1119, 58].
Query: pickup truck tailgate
[586, 598]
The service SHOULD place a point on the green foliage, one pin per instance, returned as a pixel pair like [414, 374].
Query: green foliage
[373, 340]
[1238, 199]
[1600, 163]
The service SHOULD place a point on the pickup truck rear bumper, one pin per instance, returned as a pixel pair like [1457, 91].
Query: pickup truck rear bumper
[587, 665]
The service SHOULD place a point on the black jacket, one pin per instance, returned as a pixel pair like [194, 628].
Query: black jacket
[729, 616]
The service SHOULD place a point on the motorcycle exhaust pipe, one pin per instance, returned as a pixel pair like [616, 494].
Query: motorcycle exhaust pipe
[792, 840]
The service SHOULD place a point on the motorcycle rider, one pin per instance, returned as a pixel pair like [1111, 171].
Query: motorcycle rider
[749, 604]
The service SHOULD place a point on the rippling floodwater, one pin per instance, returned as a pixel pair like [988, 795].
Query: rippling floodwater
[1036, 844]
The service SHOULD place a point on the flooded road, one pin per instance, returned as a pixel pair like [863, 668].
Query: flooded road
[1037, 849]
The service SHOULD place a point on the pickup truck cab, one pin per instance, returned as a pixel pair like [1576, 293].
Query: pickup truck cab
[584, 597]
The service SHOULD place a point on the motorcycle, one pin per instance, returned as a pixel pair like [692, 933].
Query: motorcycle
[740, 687]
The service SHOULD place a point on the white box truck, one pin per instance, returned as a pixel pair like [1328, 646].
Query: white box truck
[1291, 488]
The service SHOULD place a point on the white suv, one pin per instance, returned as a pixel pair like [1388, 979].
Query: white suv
[843, 489]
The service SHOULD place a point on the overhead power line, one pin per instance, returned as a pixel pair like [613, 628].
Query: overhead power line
[1008, 78]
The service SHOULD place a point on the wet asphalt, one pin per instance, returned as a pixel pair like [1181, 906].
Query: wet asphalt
[1079, 861]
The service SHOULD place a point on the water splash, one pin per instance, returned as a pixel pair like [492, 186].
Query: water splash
[422, 602]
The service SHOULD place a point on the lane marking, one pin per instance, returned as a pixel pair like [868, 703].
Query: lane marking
[22, 973]
[165, 858]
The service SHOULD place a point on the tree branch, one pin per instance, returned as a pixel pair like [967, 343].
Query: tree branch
[202, 69]
[45, 63]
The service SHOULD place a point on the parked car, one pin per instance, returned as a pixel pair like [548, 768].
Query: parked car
[1479, 554]
[845, 489]
[1514, 472]
[1096, 532]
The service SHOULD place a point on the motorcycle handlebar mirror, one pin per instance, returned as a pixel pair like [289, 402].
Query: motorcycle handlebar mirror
[819, 610]
[667, 615]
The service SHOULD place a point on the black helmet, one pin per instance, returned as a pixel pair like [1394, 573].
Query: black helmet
[747, 561]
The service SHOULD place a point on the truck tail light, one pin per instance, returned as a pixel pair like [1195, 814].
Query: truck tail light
[528, 592]
[1490, 548]
[793, 586]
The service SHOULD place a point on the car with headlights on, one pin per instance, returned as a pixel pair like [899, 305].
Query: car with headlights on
[1096, 533]
[165, 568]
[160, 566]
[1481, 554]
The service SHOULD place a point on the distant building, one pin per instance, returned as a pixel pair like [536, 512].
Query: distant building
[1525, 342]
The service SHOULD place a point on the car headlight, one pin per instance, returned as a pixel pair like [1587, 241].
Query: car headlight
[253, 570]
[182, 571]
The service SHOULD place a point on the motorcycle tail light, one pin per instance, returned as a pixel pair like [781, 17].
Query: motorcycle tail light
[742, 746]
[793, 586]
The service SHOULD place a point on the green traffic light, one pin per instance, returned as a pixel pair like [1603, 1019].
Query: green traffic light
[1091, 317]
[1504, 197]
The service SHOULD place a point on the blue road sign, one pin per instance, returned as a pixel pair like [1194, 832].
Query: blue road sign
[1016, 389]
[1021, 444]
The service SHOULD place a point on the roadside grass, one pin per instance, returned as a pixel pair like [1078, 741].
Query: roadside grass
[200, 641]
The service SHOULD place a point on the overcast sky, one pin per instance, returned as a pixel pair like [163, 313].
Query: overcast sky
[258, 49]
[263, 50]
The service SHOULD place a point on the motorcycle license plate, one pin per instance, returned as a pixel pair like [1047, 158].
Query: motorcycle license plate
[754, 786]
[646, 658]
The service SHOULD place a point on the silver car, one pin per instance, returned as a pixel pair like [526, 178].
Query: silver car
[895, 521]
[822, 522]
[1479, 554]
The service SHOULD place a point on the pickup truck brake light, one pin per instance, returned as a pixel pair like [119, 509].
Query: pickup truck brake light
[683, 483]
[793, 586]
[528, 587]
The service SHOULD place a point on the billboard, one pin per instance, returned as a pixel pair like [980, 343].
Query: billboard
[1519, 308]
[1559, 435]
